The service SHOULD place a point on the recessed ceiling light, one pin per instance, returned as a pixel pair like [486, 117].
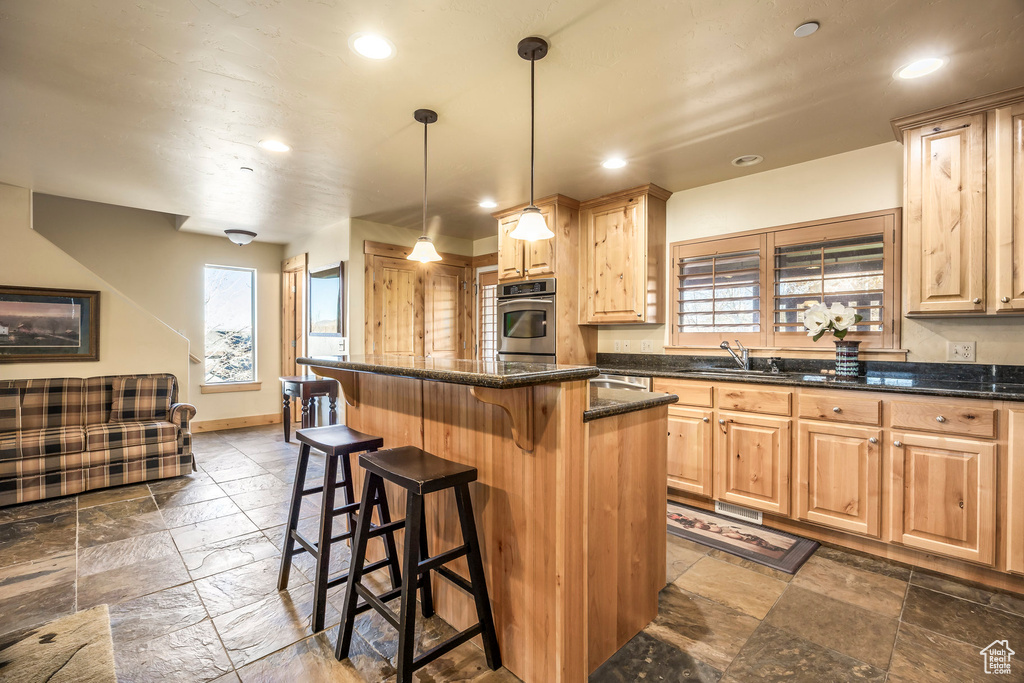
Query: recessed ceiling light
[921, 67]
[372, 46]
[488, 204]
[748, 160]
[274, 146]
[806, 29]
[614, 162]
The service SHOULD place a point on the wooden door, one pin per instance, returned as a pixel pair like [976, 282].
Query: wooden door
[751, 461]
[1015, 492]
[943, 495]
[616, 261]
[1006, 206]
[689, 450]
[539, 256]
[444, 331]
[839, 477]
[293, 306]
[396, 317]
[487, 316]
[945, 206]
[510, 251]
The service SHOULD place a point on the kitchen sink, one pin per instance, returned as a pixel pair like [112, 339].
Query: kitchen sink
[730, 371]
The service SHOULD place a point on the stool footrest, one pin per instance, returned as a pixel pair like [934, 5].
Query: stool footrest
[377, 602]
[315, 489]
[443, 558]
[343, 537]
[305, 545]
[338, 580]
[346, 509]
[456, 579]
[380, 530]
[447, 646]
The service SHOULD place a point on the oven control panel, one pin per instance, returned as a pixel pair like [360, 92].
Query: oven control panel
[528, 288]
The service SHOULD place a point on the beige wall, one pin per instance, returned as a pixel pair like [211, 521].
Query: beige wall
[161, 270]
[863, 180]
[131, 339]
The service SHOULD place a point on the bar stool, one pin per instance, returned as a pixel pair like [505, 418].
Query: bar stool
[419, 473]
[337, 442]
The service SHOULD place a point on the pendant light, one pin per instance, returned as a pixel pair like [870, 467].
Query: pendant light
[424, 251]
[532, 226]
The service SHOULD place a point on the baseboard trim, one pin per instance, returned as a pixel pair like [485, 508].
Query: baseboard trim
[235, 422]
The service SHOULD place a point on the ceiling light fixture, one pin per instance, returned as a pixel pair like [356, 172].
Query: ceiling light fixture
[274, 146]
[488, 204]
[921, 67]
[424, 251]
[372, 46]
[532, 226]
[614, 162]
[240, 237]
[806, 29]
[248, 169]
[748, 160]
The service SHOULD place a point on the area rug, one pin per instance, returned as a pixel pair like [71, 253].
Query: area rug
[775, 549]
[73, 649]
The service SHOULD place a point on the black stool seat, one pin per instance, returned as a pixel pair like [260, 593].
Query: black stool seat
[416, 470]
[337, 439]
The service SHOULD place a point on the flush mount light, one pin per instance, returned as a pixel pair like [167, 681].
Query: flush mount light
[371, 46]
[806, 29]
[240, 237]
[532, 226]
[921, 67]
[488, 204]
[748, 160]
[424, 251]
[614, 162]
[274, 146]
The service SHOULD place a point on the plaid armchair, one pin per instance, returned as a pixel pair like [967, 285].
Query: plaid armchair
[68, 435]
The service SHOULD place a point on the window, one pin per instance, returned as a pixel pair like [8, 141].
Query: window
[488, 321]
[326, 301]
[230, 315]
[723, 283]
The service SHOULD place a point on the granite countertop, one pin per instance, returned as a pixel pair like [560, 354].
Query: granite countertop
[607, 402]
[475, 373]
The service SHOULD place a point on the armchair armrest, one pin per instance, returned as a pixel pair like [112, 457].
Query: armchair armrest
[181, 413]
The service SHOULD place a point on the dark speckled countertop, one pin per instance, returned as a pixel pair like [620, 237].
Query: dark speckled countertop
[607, 402]
[475, 373]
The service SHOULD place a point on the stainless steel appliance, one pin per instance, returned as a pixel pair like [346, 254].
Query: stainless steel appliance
[526, 321]
[627, 382]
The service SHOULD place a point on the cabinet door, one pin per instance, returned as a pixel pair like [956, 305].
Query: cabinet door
[839, 477]
[616, 261]
[510, 251]
[1015, 493]
[539, 256]
[689, 450]
[943, 495]
[752, 462]
[945, 208]
[396, 317]
[1006, 205]
[444, 314]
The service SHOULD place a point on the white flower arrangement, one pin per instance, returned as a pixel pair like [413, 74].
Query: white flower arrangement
[836, 320]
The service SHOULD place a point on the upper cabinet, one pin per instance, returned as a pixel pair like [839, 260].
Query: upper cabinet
[518, 259]
[621, 278]
[964, 207]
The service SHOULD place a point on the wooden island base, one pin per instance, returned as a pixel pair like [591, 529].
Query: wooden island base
[573, 530]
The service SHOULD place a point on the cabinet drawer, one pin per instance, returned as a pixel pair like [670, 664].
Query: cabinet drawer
[841, 407]
[750, 400]
[946, 417]
[689, 393]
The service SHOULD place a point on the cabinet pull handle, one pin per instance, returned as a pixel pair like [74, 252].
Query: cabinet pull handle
[837, 410]
[639, 315]
[940, 419]
[1005, 299]
[706, 419]
[872, 440]
[897, 444]
[977, 300]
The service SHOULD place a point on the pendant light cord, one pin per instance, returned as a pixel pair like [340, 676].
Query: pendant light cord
[424, 178]
[533, 61]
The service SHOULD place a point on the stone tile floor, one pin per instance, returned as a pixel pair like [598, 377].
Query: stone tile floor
[189, 569]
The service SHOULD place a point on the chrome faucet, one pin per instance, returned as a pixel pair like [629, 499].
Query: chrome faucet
[743, 359]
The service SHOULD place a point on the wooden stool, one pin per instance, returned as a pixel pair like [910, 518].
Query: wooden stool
[307, 389]
[337, 442]
[419, 473]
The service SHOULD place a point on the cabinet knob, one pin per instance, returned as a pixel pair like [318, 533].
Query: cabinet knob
[897, 444]
[977, 300]
[1005, 299]
[721, 422]
[620, 276]
[639, 315]
[707, 419]
[872, 440]
[940, 419]
[837, 410]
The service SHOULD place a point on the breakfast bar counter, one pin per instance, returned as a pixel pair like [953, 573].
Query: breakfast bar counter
[571, 514]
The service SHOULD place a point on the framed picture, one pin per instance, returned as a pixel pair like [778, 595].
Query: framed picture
[47, 325]
[326, 297]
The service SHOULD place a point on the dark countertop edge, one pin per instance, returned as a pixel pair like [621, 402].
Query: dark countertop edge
[797, 381]
[614, 407]
[472, 379]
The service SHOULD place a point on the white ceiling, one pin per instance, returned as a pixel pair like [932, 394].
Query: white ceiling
[156, 105]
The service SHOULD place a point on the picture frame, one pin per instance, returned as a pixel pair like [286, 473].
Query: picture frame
[326, 301]
[43, 325]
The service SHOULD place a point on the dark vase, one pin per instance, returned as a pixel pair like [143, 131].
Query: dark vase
[847, 359]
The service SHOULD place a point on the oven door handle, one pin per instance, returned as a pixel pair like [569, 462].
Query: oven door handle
[509, 302]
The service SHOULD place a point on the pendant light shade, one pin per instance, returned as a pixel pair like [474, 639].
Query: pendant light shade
[532, 226]
[424, 251]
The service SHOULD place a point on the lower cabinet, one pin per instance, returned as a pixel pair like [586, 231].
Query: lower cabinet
[1015, 492]
[943, 495]
[839, 477]
[752, 461]
[689, 450]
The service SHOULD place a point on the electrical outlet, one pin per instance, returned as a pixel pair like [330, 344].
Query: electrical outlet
[625, 346]
[961, 352]
[618, 346]
[647, 346]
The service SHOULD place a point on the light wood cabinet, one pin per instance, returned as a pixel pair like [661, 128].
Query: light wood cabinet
[839, 477]
[510, 251]
[752, 461]
[622, 279]
[1015, 491]
[518, 259]
[446, 304]
[1006, 207]
[943, 495]
[689, 450]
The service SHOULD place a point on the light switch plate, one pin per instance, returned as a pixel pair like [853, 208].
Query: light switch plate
[647, 346]
[961, 352]
[618, 346]
[625, 346]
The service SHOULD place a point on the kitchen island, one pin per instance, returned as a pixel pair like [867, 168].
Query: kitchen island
[571, 513]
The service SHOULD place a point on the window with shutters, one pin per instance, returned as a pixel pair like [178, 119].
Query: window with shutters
[487, 315]
[723, 295]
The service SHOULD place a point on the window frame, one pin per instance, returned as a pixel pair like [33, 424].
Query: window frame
[886, 222]
[255, 345]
